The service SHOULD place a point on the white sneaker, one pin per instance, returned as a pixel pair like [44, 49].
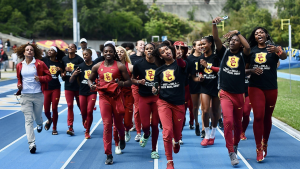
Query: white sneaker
[118, 150]
[137, 137]
[180, 142]
[127, 136]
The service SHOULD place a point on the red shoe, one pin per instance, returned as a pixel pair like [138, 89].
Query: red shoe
[87, 135]
[176, 147]
[204, 142]
[260, 156]
[170, 165]
[243, 137]
[211, 141]
[264, 147]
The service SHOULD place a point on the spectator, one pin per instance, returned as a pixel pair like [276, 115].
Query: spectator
[83, 44]
[7, 45]
[15, 60]
[4, 59]
[15, 46]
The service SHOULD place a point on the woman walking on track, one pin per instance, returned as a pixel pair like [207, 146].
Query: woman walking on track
[145, 70]
[128, 100]
[170, 76]
[231, 84]
[111, 99]
[263, 85]
[87, 98]
[70, 63]
[33, 77]
[52, 93]
[209, 89]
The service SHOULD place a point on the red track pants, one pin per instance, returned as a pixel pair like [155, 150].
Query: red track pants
[70, 99]
[137, 120]
[87, 104]
[51, 96]
[246, 113]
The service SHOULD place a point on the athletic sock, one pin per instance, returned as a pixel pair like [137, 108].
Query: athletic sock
[213, 132]
[206, 132]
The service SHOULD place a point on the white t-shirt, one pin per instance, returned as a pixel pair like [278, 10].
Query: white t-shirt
[14, 57]
[94, 53]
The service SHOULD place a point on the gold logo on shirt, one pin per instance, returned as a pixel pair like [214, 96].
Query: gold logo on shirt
[150, 74]
[87, 74]
[168, 75]
[233, 62]
[52, 70]
[71, 66]
[260, 57]
[107, 76]
[208, 71]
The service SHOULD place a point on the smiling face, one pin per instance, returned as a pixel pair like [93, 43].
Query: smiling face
[165, 53]
[108, 53]
[71, 48]
[260, 36]
[140, 46]
[205, 45]
[121, 54]
[29, 52]
[86, 56]
[197, 47]
[148, 50]
[235, 43]
[51, 52]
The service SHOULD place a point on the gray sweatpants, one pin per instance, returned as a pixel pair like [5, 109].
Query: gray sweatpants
[32, 107]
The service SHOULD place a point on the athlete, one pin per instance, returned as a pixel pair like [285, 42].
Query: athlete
[52, 94]
[263, 87]
[70, 63]
[87, 98]
[112, 75]
[145, 70]
[170, 77]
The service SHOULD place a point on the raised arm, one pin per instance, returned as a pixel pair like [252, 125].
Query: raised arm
[215, 33]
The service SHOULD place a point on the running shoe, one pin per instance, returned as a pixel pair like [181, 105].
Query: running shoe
[221, 125]
[54, 132]
[197, 130]
[154, 155]
[127, 136]
[235, 148]
[202, 134]
[39, 128]
[133, 128]
[87, 135]
[180, 142]
[143, 141]
[70, 131]
[243, 137]
[192, 127]
[122, 144]
[264, 147]
[109, 159]
[176, 147]
[48, 125]
[170, 165]
[211, 141]
[137, 137]
[234, 160]
[118, 150]
[260, 155]
[204, 142]
[32, 148]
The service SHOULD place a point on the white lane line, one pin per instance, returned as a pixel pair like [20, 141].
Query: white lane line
[238, 153]
[25, 134]
[80, 145]
[156, 160]
[10, 114]
[286, 128]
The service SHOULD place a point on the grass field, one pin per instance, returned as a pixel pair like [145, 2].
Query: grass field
[295, 71]
[288, 104]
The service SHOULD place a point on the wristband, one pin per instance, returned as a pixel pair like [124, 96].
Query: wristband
[280, 51]
[238, 33]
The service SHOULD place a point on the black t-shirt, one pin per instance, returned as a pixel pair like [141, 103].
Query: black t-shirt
[99, 59]
[232, 71]
[171, 79]
[73, 64]
[145, 70]
[86, 70]
[260, 57]
[54, 83]
[193, 61]
[210, 84]
[134, 58]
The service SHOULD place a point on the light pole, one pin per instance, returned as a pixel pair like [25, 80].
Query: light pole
[75, 35]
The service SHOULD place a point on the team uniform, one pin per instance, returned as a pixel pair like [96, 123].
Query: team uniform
[71, 89]
[232, 88]
[171, 79]
[87, 98]
[52, 94]
[263, 94]
[147, 101]
[108, 104]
